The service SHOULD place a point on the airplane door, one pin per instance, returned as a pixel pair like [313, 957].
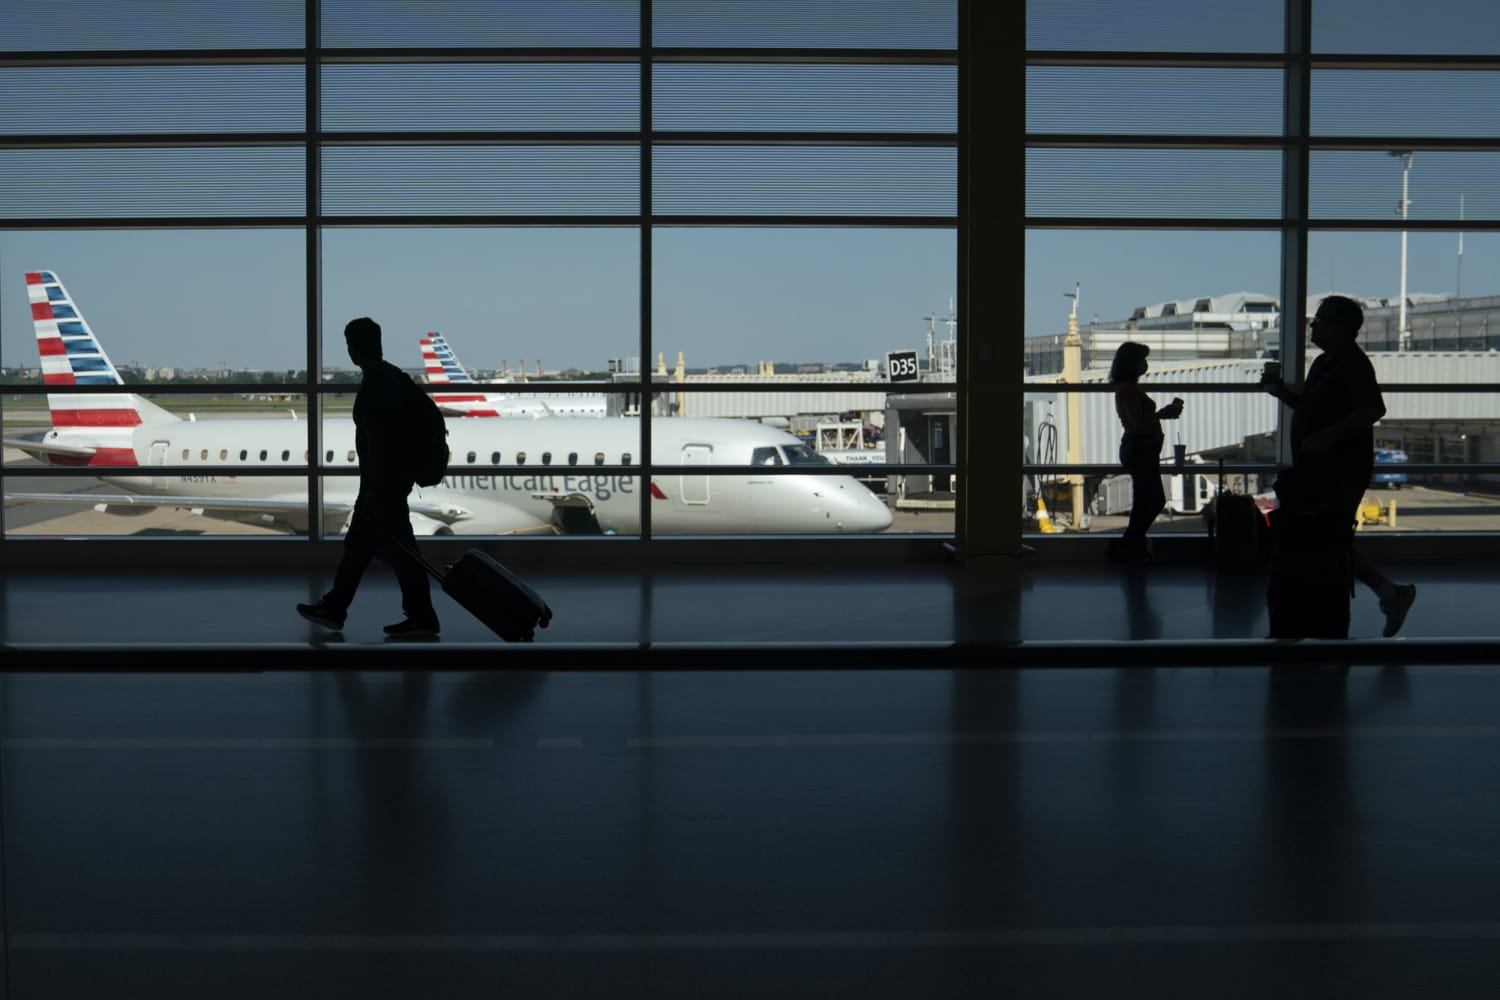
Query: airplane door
[694, 489]
[158, 456]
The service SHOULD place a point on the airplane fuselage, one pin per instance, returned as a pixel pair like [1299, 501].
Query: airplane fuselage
[547, 463]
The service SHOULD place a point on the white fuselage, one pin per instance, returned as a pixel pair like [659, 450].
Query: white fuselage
[545, 462]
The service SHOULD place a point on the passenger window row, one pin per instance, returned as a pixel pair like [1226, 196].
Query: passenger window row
[351, 457]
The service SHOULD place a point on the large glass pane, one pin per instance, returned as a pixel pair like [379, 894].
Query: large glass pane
[1367, 184]
[874, 24]
[94, 100]
[1160, 100]
[1188, 294]
[233, 446]
[505, 300]
[481, 180]
[166, 305]
[536, 97]
[1061, 428]
[804, 303]
[47, 26]
[1458, 27]
[1453, 295]
[805, 180]
[481, 24]
[1156, 25]
[1416, 103]
[1161, 183]
[174, 183]
[805, 98]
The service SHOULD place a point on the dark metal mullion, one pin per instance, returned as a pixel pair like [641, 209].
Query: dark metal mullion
[486, 221]
[647, 396]
[1135, 140]
[313, 269]
[1296, 127]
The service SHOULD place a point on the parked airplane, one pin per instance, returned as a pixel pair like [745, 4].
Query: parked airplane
[443, 368]
[550, 485]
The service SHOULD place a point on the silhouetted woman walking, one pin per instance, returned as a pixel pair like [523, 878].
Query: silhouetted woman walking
[1140, 449]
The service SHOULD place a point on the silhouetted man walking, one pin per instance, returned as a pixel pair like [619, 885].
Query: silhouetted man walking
[380, 519]
[1333, 437]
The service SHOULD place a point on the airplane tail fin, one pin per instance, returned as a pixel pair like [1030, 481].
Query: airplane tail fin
[72, 355]
[450, 372]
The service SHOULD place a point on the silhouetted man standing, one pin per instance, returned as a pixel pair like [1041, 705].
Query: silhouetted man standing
[1333, 437]
[380, 519]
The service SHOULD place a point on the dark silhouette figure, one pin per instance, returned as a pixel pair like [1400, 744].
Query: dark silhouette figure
[1333, 439]
[381, 524]
[1140, 450]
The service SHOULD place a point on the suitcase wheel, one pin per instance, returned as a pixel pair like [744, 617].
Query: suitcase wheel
[546, 618]
[530, 636]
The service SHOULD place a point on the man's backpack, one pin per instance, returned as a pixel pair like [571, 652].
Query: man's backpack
[426, 450]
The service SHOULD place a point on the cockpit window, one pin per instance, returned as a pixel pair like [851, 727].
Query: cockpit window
[801, 454]
[766, 456]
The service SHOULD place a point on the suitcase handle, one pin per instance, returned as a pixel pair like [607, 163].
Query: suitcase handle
[432, 570]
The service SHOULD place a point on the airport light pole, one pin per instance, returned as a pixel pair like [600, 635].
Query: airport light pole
[1403, 336]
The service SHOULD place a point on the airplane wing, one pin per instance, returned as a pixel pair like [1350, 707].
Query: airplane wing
[41, 449]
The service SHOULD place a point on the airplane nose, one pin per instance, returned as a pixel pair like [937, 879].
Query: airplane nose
[864, 511]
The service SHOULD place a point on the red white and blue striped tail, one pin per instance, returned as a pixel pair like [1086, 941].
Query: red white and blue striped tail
[72, 355]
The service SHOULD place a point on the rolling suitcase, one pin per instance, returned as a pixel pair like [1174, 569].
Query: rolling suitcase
[1239, 530]
[493, 594]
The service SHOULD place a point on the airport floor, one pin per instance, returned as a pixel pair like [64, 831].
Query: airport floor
[234, 806]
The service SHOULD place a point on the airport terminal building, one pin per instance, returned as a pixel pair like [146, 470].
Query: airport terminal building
[824, 705]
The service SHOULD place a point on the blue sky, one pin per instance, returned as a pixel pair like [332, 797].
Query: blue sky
[569, 298]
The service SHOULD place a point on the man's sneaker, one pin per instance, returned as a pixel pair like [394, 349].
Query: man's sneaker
[1396, 608]
[410, 629]
[320, 614]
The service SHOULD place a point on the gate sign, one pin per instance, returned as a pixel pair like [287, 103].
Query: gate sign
[901, 366]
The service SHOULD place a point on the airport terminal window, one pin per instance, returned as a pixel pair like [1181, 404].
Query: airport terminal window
[854, 150]
[1367, 133]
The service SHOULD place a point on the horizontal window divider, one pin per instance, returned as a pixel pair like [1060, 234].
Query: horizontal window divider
[804, 470]
[12, 59]
[159, 222]
[1169, 468]
[335, 56]
[615, 137]
[155, 140]
[806, 221]
[1146, 60]
[785, 56]
[1407, 62]
[548, 221]
[797, 138]
[897, 388]
[134, 471]
[1315, 224]
[1156, 387]
[1141, 140]
[1386, 144]
[1156, 222]
[1393, 225]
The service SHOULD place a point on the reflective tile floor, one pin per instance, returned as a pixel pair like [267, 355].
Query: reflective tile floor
[1206, 828]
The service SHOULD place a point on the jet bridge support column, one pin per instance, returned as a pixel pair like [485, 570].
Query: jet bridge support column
[1071, 374]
